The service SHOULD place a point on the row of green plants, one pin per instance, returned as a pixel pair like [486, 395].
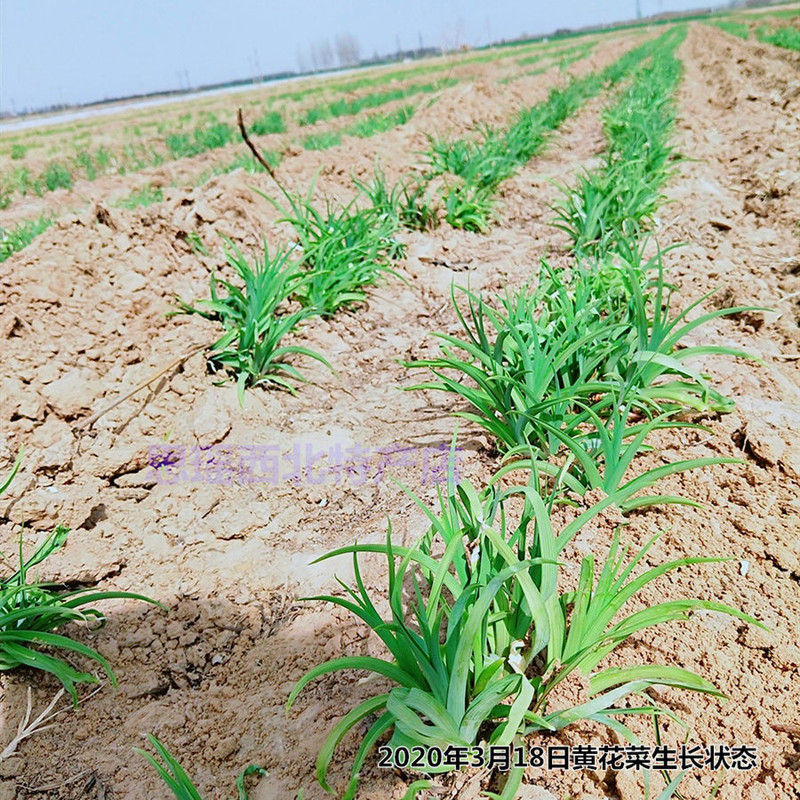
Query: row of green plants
[369, 125]
[211, 133]
[740, 29]
[272, 120]
[56, 175]
[459, 178]
[445, 65]
[464, 174]
[786, 36]
[22, 234]
[570, 377]
[610, 204]
[562, 366]
[15, 238]
[554, 55]
[563, 60]
[341, 249]
[347, 108]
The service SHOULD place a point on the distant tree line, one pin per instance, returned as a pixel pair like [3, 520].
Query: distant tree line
[321, 55]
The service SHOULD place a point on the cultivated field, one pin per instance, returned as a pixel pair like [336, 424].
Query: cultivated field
[515, 331]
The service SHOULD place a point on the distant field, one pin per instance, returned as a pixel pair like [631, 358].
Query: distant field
[449, 418]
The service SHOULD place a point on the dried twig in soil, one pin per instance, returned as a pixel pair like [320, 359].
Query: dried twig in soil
[253, 149]
[172, 365]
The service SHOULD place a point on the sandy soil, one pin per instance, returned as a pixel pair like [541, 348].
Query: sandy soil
[83, 318]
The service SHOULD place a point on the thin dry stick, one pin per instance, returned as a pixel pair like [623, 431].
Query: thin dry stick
[172, 365]
[60, 784]
[253, 149]
[27, 728]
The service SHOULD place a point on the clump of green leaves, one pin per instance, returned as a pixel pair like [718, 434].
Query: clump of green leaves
[31, 612]
[322, 140]
[487, 633]
[57, 176]
[410, 203]
[101, 161]
[544, 363]
[269, 122]
[469, 207]
[22, 181]
[145, 196]
[197, 244]
[255, 320]
[373, 124]
[419, 208]
[343, 248]
[12, 240]
[83, 160]
[209, 136]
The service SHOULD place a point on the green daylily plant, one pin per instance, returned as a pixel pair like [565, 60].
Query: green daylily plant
[486, 635]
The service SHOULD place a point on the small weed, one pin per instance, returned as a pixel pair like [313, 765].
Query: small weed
[57, 176]
[269, 122]
[145, 196]
[196, 243]
[12, 240]
[322, 141]
[380, 123]
[173, 775]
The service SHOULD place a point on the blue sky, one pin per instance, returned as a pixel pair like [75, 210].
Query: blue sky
[78, 51]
